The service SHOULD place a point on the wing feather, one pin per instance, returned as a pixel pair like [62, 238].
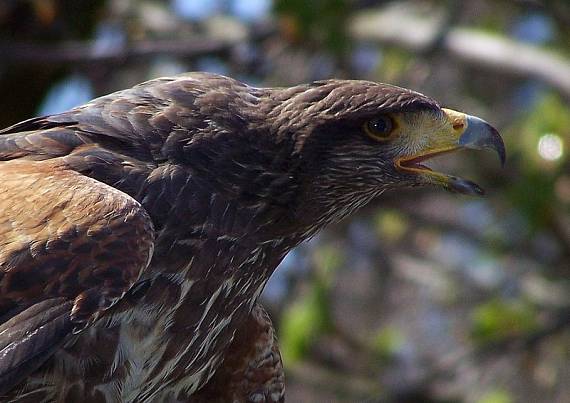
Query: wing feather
[64, 238]
[31, 337]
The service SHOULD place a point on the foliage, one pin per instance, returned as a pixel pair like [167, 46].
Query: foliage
[498, 319]
[550, 116]
[309, 315]
[387, 342]
[496, 396]
[321, 21]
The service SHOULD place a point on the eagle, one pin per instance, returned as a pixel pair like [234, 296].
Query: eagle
[138, 231]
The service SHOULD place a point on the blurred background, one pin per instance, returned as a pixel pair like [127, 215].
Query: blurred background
[423, 296]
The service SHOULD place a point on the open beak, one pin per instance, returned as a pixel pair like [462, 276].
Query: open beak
[459, 131]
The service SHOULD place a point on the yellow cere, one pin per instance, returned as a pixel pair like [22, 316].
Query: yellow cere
[427, 133]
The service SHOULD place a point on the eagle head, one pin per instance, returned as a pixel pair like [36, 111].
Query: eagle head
[351, 140]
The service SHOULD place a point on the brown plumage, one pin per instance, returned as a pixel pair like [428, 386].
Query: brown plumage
[137, 231]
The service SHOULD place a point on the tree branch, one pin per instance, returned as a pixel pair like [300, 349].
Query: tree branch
[87, 52]
[14, 52]
[399, 27]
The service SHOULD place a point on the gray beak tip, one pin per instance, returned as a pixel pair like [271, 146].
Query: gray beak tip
[480, 134]
[464, 186]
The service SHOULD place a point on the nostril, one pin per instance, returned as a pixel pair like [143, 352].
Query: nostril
[458, 125]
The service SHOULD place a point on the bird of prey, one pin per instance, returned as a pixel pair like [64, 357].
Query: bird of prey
[137, 231]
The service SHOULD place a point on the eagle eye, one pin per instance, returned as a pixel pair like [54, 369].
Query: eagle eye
[379, 128]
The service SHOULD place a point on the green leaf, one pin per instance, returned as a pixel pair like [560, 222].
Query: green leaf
[301, 324]
[498, 319]
[309, 316]
[391, 225]
[387, 342]
[496, 396]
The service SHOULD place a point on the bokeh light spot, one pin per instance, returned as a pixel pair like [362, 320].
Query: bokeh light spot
[550, 147]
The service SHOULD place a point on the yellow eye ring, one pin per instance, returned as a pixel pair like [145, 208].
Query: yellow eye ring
[379, 128]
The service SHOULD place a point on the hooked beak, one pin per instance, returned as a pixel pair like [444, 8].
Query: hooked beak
[460, 131]
[479, 135]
